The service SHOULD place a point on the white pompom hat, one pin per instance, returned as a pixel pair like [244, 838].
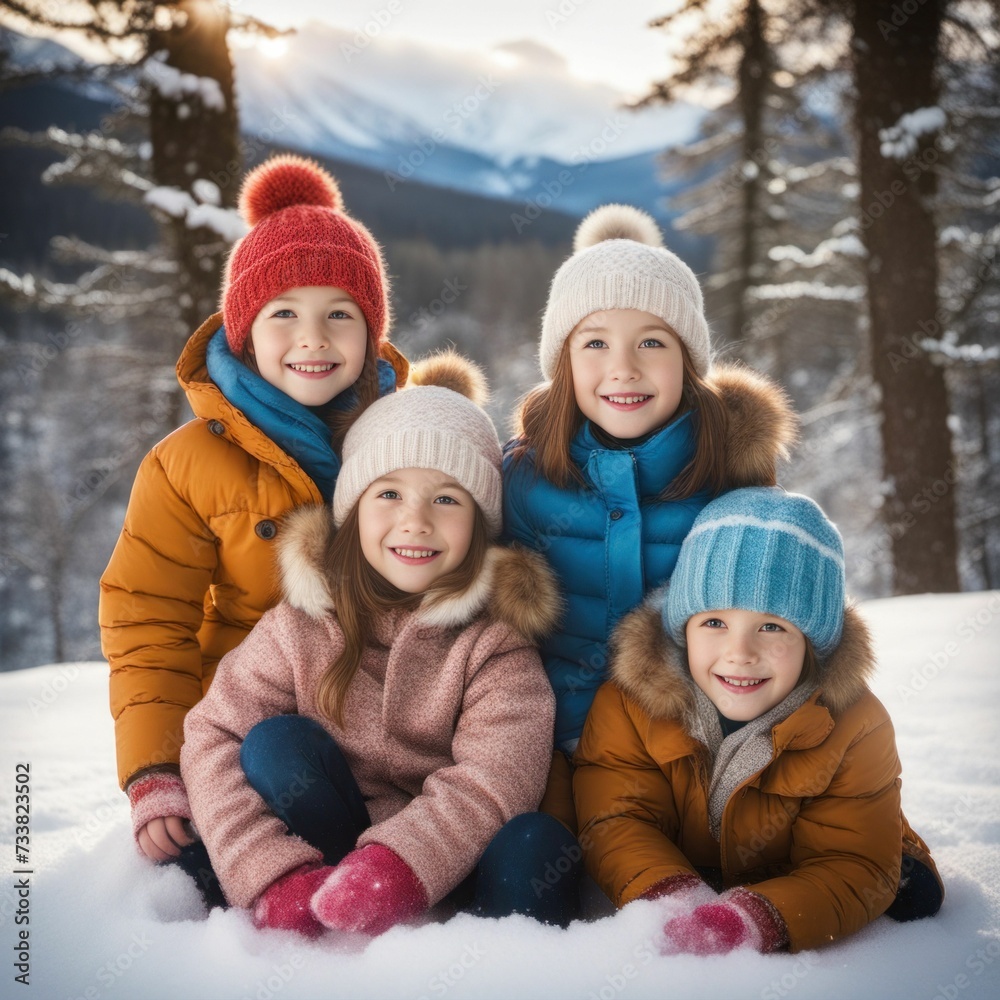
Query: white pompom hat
[423, 427]
[619, 262]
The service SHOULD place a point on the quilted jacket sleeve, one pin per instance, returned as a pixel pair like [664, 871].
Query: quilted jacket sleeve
[151, 607]
[624, 803]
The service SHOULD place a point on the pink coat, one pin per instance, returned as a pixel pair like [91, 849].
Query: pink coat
[448, 722]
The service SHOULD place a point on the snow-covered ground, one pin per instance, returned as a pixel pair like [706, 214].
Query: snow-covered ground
[105, 924]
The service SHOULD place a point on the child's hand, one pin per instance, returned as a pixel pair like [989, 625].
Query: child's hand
[371, 890]
[284, 904]
[739, 917]
[161, 814]
[686, 888]
[162, 839]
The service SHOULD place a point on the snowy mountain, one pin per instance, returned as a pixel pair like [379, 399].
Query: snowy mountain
[507, 124]
[105, 923]
[511, 124]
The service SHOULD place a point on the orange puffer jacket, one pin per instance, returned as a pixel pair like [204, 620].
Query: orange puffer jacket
[194, 567]
[819, 831]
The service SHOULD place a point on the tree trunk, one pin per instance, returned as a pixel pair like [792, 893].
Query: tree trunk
[894, 68]
[192, 139]
[753, 80]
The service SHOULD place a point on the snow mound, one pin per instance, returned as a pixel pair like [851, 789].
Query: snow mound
[104, 923]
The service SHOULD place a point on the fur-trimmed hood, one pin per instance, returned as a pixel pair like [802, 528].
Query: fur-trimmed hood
[763, 426]
[515, 585]
[652, 669]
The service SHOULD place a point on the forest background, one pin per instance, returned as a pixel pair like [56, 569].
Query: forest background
[830, 168]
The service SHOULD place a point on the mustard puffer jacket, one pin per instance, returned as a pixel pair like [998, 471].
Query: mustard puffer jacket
[194, 567]
[819, 831]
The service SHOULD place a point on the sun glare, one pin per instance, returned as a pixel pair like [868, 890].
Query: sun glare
[272, 48]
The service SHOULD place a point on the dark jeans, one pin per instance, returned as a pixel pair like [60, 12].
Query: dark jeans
[532, 866]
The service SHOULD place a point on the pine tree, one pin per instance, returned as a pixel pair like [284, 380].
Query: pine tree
[171, 146]
[898, 115]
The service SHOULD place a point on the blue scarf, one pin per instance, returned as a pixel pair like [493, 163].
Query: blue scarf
[290, 425]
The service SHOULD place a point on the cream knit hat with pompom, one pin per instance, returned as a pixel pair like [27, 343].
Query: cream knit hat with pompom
[619, 262]
[436, 424]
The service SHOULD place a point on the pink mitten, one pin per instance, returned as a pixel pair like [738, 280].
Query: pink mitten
[284, 904]
[738, 917]
[371, 890]
[687, 889]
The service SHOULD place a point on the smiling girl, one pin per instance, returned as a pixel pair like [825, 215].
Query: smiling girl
[632, 434]
[299, 350]
[737, 748]
[382, 727]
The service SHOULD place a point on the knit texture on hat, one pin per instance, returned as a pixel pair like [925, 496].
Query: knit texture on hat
[619, 262]
[762, 549]
[423, 427]
[300, 237]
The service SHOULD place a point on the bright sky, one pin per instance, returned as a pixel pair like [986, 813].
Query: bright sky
[601, 40]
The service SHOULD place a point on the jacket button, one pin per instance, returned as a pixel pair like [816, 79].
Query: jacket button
[217, 427]
[617, 514]
[266, 530]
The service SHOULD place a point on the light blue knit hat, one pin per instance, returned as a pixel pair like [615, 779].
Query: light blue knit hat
[762, 549]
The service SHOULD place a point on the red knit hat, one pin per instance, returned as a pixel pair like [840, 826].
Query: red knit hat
[300, 236]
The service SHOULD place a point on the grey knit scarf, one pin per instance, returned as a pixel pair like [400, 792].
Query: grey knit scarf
[741, 754]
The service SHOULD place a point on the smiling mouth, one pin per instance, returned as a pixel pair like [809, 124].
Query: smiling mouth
[417, 555]
[313, 369]
[742, 682]
[626, 400]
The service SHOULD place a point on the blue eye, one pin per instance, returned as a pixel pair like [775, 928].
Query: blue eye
[713, 623]
[595, 343]
[389, 495]
[340, 314]
[284, 314]
[652, 342]
[771, 627]
[445, 500]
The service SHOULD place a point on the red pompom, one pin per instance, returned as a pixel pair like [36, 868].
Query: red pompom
[284, 181]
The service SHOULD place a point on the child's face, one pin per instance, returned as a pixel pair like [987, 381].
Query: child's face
[415, 526]
[745, 661]
[310, 343]
[628, 371]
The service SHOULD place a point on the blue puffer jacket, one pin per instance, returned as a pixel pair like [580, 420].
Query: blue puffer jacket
[612, 542]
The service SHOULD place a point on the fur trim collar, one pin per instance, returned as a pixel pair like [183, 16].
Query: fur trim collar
[652, 669]
[763, 426]
[516, 585]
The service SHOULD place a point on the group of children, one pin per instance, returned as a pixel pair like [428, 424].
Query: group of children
[365, 662]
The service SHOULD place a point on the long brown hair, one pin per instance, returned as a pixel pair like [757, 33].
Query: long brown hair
[549, 419]
[360, 595]
[810, 666]
[339, 421]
